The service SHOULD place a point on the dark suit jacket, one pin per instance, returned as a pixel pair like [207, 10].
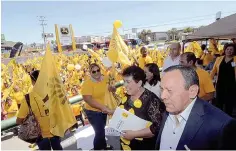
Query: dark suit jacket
[207, 127]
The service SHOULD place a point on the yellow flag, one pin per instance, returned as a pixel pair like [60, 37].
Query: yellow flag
[73, 38]
[213, 47]
[195, 48]
[58, 39]
[94, 54]
[118, 50]
[49, 83]
[110, 101]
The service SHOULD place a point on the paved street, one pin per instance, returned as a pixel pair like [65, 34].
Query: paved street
[69, 142]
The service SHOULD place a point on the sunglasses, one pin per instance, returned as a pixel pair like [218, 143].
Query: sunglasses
[95, 71]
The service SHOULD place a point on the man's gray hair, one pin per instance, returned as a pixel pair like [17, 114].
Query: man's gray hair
[189, 74]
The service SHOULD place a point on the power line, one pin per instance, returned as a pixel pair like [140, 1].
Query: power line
[150, 26]
[157, 25]
[186, 18]
[170, 23]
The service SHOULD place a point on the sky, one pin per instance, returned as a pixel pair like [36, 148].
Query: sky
[19, 21]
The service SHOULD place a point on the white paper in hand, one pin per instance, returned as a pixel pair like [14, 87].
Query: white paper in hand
[111, 132]
[124, 120]
[106, 62]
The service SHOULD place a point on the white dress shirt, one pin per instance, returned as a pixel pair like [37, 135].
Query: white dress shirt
[169, 62]
[155, 89]
[173, 130]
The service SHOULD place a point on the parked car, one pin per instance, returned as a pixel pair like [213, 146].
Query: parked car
[84, 46]
[150, 46]
[161, 46]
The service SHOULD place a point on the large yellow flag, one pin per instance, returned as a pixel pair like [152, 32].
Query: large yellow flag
[213, 47]
[49, 83]
[118, 50]
[195, 48]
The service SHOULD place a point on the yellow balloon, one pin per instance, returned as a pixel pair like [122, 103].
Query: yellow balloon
[70, 67]
[117, 24]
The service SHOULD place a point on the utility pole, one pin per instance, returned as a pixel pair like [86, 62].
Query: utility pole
[42, 21]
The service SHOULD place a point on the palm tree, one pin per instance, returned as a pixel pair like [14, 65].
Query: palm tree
[143, 35]
[188, 30]
[173, 32]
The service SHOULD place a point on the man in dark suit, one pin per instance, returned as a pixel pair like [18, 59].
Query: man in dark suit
[191, 123]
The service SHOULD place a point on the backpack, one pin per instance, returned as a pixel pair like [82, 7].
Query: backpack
[29, 130]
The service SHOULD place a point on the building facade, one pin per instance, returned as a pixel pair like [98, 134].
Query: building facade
[91, 39]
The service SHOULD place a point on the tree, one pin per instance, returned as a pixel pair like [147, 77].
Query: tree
[33, 45]
[201, 26]
[188, 30]
[173, 32]
[143, 35]
[52, 42]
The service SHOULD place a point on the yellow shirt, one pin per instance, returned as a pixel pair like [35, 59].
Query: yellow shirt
[76, 109]
[96, 90]
[13, 108]
[207, 58]
[143, 61]
[40, 111]
[205, 82]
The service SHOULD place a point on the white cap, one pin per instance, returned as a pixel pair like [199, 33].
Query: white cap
[77, 67]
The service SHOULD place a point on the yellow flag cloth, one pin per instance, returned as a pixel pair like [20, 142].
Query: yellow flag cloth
[118, 50]
[49, 83]
[110, 101]
[213, 47]
[195, 48]
[94, 54]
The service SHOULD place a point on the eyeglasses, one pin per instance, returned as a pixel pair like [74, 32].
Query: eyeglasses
[95, 71]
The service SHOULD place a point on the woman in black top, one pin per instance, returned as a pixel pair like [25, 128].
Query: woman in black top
[226, 83]
[144, 104]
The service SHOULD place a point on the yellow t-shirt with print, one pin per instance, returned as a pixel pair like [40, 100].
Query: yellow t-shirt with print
[12, 109]
[96, 90]
[41, 112]
[143, 61]
[205, 82]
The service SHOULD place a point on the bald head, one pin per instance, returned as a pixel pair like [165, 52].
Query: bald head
[175, 49]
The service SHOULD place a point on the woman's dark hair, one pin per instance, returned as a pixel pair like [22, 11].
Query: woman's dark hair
[136, 72]
[153, 68]
[203, 46]
[230, 45]
[34, 75]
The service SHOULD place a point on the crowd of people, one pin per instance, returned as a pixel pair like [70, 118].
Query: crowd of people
[184, 103]
[180, 103]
